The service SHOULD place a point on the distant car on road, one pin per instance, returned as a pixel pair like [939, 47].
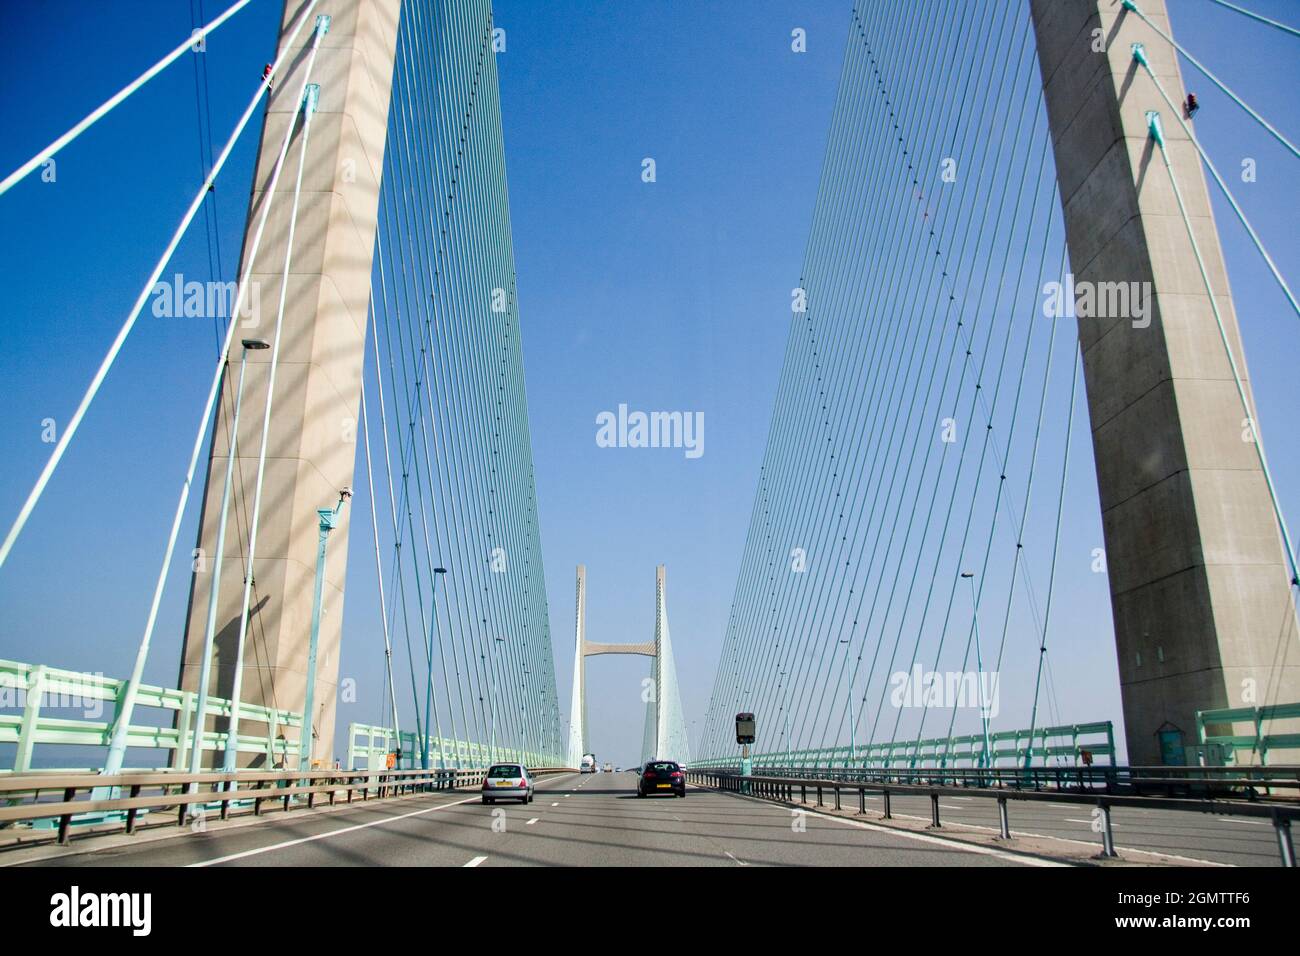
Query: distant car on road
[507, 781]
[661, 776]
[588, 764]
[609, 768]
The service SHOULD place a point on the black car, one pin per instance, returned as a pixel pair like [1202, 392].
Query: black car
[661, 776]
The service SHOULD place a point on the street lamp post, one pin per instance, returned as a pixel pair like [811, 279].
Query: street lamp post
[493, 664]
[853, 746]
[428, 695]
[214, 592]
[987, 759]
[328, 521]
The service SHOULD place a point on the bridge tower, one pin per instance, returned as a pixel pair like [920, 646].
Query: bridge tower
[1199, 585]
[311, 443]
[665, 726]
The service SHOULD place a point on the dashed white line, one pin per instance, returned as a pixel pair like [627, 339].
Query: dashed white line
[555, 804]
[734, 860]
[531, 822]
[476, 861]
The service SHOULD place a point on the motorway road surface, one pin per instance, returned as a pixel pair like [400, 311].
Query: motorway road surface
[575, 820]
[597, 820]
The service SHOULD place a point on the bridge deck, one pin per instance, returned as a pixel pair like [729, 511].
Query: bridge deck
[596, 820]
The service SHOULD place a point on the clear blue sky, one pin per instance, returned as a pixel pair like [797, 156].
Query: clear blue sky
[673, 295]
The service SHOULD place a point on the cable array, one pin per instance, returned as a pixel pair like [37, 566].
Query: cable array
[908, 432]
[457, 544]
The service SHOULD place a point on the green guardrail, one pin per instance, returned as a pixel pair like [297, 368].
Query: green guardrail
[1065, 744]
[370, 745]
[30, 691]
[1215, 729]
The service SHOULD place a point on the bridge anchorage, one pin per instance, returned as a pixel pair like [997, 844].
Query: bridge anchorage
[664, 737]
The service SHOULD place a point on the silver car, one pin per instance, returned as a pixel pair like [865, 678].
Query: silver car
[507, 781]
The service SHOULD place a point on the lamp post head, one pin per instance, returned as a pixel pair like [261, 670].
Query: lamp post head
[439, 570]
[255, 345]
[968, 574]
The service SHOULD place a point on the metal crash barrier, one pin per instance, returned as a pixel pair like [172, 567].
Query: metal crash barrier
[799, 786]
[65, 797]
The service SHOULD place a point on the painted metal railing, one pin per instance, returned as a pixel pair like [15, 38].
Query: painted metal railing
[30, 692]
[788, 788]
[1257, 742]
[369, 747]
[1067, 743]
[116, 801]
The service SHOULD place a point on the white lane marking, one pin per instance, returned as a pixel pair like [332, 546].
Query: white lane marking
[531, 822]
[476, 861]
[331, 833]
[734, 860]
[555, 804]
[1075, 820]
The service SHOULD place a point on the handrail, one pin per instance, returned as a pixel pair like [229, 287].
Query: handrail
[1108, 777]
[180, 790]
[781, 789]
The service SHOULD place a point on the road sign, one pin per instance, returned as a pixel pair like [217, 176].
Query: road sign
[744, 728]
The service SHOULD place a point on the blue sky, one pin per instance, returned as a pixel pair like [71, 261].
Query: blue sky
[671, 295]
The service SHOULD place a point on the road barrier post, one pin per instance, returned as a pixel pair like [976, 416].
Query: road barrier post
[1282, 826]
[1107, 835]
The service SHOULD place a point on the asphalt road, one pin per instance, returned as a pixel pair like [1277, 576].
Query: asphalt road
[575, 820]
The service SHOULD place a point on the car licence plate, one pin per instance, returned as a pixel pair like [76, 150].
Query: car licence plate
[505, 783]
[664, 786]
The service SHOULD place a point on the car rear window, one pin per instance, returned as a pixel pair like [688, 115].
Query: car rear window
[662, 767]
[505, 770]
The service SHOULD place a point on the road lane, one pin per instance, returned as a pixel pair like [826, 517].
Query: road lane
[576, 820]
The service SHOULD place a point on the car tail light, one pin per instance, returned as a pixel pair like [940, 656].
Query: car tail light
[523, 783]
[486, 783]
[649, 775]
[676, 773]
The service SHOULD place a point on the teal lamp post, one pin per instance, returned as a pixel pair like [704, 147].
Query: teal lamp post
[987, 759]
[492, 663]
[210, 629]
[428, 699]
[853, 744]
[328, 521]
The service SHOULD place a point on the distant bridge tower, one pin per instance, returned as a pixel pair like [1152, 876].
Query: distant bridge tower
[665, 726]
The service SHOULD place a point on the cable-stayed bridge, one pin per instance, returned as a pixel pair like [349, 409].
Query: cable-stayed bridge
[1012, 245]
[904, 551]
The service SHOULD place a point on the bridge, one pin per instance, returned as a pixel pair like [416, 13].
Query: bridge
[1014, 247]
